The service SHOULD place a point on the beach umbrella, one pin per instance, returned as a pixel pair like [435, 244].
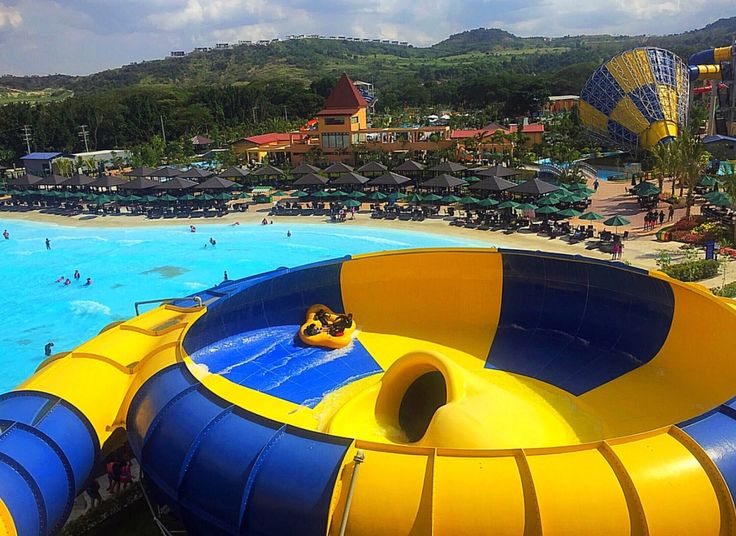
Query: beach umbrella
[320, 194]
[592, 216]
[177, 183]
[508, 204]
[350, 179]
[448, 167]
[68, 195]
[569, 213]
[299, 193]
[450, 199]
[278, 193]
[233, 172]
[268, 171]
[548, 209]
[472, 179]
[719, 199]
[443, 181]
[707, 181]
[103, 199]
[498, 171]
[646, 189]
[415, 198]
[377, 196]
[398, 196]
[487, 202]
[526, 206]
[244, 195]
[165, 172]
[493, 184]
[310, 179]
[616, 221]
[107, 181]
[469, 200]
[548, 200]
[205, 197]
[223, 196]
[339, 193]
[78, 180]
[432, 198]
[357, 194]
[351, 203]
[140, 172]
[187, 197]
[141, 183]
[167, 197]
[570, 198]
[14, 192]
[24, 180]
[372, 167]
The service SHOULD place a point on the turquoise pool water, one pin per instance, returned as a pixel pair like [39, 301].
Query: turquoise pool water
[133, 264]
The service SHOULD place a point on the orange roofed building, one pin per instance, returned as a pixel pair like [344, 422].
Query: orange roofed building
[340, 132]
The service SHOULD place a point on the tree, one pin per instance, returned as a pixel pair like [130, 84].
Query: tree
[692, 162]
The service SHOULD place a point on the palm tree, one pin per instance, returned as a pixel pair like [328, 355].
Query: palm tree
[692, 162]
[662, 155]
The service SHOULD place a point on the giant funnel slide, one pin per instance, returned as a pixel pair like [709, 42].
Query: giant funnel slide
[486, 392]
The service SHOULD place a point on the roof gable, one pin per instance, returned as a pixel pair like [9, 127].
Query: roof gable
[344, 96]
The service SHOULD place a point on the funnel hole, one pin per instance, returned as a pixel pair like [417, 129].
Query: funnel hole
[424, 396]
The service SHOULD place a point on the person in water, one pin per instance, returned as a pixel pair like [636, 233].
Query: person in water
[264, 221]
[48, 244]
[48, 348]
[213, 241]
[61, 279]
[6, 234]
[67, 282]
[288, 233]
[77, 275]
[192, 229]
[89, 282]
[224, 276]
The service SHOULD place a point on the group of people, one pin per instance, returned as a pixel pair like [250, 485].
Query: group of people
[336, 328]
[264, 221]
[77, 276]
[119, 477]
[654, 218]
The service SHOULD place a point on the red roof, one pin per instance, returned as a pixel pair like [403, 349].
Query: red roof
[273, 137]
[344, 96]
[463, 134]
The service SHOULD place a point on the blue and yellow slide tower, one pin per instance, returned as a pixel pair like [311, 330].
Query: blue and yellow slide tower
[484, 392]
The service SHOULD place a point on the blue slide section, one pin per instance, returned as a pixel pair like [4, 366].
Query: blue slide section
[715, 432]
[250, 338]
[577, 325]
[47, 452]
[225, 470]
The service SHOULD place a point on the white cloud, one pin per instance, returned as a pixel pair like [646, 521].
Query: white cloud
[10, 16]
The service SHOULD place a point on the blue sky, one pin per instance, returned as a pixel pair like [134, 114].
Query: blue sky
[85, 36]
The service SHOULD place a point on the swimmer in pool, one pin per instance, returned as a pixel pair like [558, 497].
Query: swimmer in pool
[60, 280]
[67, 282]
[89, 282]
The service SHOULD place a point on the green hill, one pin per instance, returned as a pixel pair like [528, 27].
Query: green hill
[474, 52]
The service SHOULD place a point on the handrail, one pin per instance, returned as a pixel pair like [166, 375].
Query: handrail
[167, 300]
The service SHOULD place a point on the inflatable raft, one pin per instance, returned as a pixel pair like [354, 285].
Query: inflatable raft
[486, 392]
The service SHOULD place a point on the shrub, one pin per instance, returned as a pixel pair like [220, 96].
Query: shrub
[692, 270]
[726, 291]
[687, 224]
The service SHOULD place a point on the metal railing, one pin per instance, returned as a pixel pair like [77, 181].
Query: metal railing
[197, 299]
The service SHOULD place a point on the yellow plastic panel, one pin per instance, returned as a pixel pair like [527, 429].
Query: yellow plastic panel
[404, 502]
[578, 493]
[419, 288]
[619, 67]
[645, 68]
[627, 114]
[722, 54]
[664, 391]
[592, 118]
[675, 491]
[484, 492]
[668, 101]
[7, 526]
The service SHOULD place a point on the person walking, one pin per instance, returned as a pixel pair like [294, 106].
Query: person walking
[670, 213]
[661, 217]
[48, 244]
[224, 276]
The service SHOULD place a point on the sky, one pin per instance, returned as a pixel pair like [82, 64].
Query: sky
[86, 36]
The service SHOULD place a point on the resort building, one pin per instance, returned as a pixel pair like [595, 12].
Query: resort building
[340, 133]
[41, 164]
[560, 103]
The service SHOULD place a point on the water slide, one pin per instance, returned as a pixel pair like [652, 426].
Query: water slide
[707, 64]
[486, 392]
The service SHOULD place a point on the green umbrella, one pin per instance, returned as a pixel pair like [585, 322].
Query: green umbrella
[167, 197]
[569, 213]
[339, 193]
[357, 194]
[450, 199]
[548, 200]
[103, 199]
[68, 195]
[719, 199]
[646, 189]
[415, 198]
[570, 198]
[469, 200]
[278, 193]
[592, 216]
[351, 203]
[580, 187]
[205, 197]
[377, 196]
[432, 197]
[244, 195]
[548, 209]
[398, 196]
[223, 196]
[14, 192]
[508, 204]
[707, 181]
[527, 206]
[320, 194]
[187, 197]
[132, 198]
[299, 193]
[472, 179]
[487, 202]
[616, 221]
[149, 198]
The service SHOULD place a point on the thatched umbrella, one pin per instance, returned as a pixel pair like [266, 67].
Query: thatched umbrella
[443, 181]
[311, 179]
[409, 166]
[233, 172]
[350, 179]
[534, 187]
[177, 183]
[196, 173]
[304, 169]
[498, 171]
[389, 179]
[372, 168]
[165, 172]
[78, 180]
[107, 181]
[217, 183]
[448, 167]
[338, 168]
[493, 184]
[24, 181]
[268, 171]
[141, 183]
[140, 172]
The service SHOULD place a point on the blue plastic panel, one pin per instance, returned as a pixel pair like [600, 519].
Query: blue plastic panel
[293, 486]
[647, 101]
[577, 325]
[21, 498]
[715, 432]
[274, 361]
